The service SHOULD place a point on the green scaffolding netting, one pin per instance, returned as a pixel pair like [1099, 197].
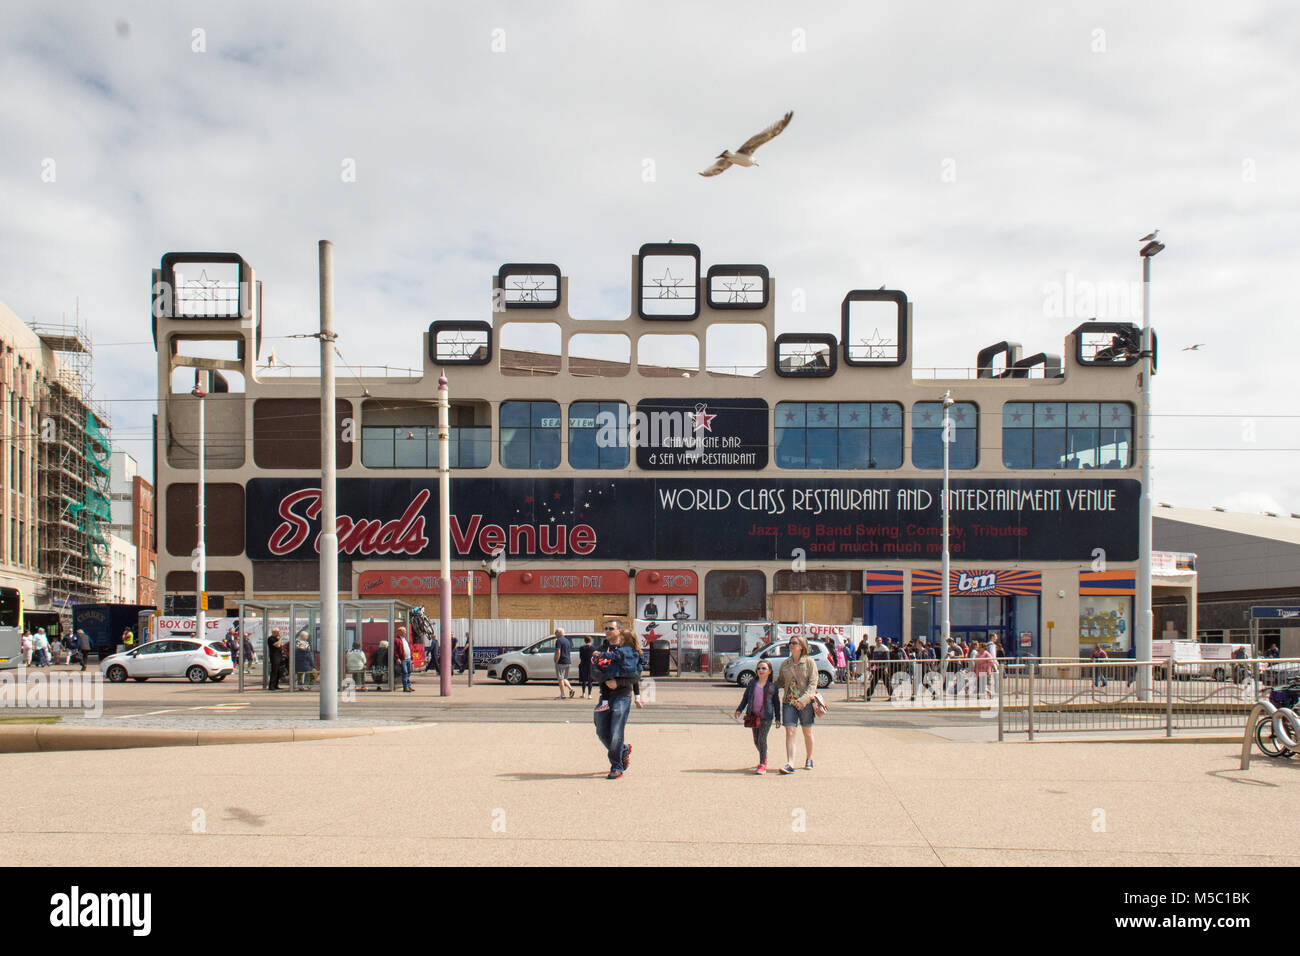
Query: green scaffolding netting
[98, 505]
[101, 467]
[94, 435]
[92, 531]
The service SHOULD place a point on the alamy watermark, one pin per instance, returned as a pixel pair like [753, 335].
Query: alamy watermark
[29, 688]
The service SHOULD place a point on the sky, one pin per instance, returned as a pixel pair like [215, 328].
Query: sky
[995, 161]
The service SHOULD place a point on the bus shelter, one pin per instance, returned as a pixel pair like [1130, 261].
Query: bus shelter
[367, 625]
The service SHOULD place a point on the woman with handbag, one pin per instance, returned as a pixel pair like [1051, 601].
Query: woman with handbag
[798, 683]
[760, 708]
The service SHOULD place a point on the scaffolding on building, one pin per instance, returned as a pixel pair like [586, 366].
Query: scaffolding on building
[74, 474]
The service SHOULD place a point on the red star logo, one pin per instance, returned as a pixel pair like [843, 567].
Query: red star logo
[1048, 415]
[1115, 415]
[925, 417]
[884, 416]
[853, 416]
[702, 419]
[1016, 416]
[789, 416]
[1083, 416]
[961, 415]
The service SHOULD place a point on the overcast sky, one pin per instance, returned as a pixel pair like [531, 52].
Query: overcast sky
[984, 158]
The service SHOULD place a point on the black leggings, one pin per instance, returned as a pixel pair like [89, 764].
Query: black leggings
[585, 680]
[760, 739]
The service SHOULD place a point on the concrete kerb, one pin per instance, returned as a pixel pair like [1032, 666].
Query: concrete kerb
[46, 738]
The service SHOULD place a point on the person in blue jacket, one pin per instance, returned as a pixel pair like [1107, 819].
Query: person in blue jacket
[762, 704]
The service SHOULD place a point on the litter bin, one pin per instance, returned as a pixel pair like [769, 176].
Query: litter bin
[659, 658]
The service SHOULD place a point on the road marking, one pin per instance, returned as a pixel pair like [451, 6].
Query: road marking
[176, 710]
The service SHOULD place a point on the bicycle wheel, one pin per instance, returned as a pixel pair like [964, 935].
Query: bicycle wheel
[1269, 745]
[1286, 728]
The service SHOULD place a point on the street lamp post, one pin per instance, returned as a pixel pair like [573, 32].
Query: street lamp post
[946, 440]
[1144, 621]
[201, 557]
[329, 541]
[444, 537]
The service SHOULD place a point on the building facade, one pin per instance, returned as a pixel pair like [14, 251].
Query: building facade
[687, 461]
[53, 509]
[131, 499]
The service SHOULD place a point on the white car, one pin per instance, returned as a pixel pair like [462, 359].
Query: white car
[194, 660]
[537, 661]
[741, 670]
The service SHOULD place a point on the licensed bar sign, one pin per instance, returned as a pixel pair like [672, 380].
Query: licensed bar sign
[702, 519]
[419, 582]
[563, 581]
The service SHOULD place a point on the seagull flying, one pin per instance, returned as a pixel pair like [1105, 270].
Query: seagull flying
[745, 155]
[1151, 236]
[1193, 348]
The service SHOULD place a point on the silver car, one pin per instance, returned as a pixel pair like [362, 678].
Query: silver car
[741, 670]
[537, 661]
[194, 660]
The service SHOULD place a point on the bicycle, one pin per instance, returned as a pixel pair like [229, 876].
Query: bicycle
[1277, 732]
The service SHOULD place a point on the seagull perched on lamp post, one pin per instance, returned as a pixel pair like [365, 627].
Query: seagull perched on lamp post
[1150, 236]
[745, 155]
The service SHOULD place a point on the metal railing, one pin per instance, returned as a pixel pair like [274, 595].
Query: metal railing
[1041, 696]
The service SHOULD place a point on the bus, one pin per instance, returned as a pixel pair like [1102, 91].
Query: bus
[11, 607]
[11, 617]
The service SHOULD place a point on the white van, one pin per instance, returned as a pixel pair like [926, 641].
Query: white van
[1194, 659]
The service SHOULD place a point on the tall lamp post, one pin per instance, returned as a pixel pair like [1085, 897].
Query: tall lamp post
[201, 552]
[1144, 621]
[946, 439]
[329, 540]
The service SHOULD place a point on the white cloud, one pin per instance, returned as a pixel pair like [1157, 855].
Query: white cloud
[467, 158]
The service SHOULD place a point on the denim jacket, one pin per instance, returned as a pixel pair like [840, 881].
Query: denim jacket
[624, 662]
[771, 701]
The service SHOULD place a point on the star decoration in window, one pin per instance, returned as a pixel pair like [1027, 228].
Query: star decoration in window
[739, 289]
[668, 286]
[876, 347]
[1048, 414]
[926, 416]
[884, 415]
[1017, 416]
[960, 415]
[853, 416]
[528, 287]
[789, 416]
[1083, 415]
[1115, 416]
[459, 346]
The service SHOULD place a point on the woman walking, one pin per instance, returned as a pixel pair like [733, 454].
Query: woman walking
[274, 655]
[798, 684]
[621, 691]
[761, 708]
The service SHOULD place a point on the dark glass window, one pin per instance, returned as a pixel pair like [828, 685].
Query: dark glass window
[1067, 435]
[595, 439]
[842, 435]
[927, 435]
[530, 434]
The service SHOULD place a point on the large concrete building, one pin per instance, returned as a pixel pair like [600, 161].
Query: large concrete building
[684, 460]
[1242, 561]
[53, 509]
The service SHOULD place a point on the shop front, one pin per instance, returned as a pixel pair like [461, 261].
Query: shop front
[983, 604]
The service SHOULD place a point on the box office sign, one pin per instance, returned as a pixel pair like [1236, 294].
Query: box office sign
[701, 519]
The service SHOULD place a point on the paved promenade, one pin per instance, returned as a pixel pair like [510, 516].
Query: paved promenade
[535, 793]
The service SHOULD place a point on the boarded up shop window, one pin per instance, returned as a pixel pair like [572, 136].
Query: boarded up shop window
[735, 596]
[286, 433]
